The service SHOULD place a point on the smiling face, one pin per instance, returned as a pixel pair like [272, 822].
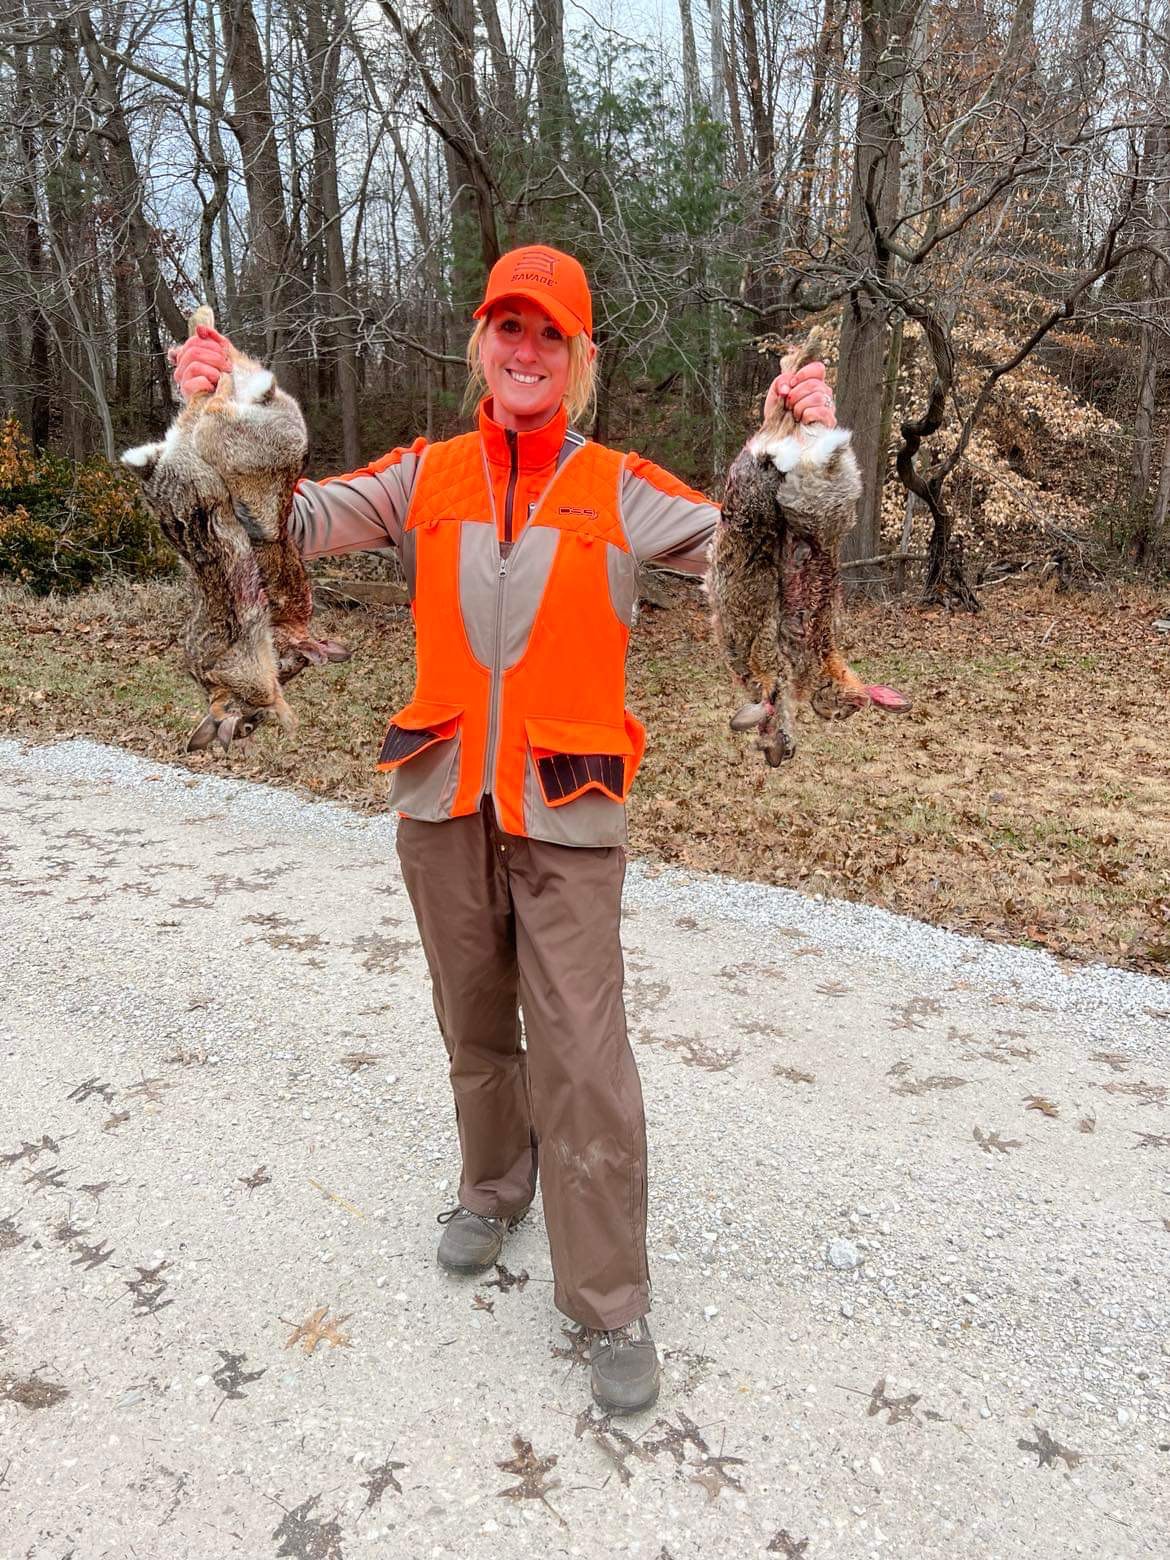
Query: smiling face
[525, 360]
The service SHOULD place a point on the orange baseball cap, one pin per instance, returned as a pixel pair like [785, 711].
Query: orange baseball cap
[547, 277]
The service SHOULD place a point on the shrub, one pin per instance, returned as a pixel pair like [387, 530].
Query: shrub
[65, 526]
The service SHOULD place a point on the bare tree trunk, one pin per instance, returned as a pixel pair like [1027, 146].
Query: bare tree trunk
[84, 405]
[885, 30]
[548, 24]
[124, 352]
[324, 59]
[503, 69]
[29, 243]
[1147, 528]
[418, 209]
[912, 118]
[125, 190]
[273, 266]
[692, 95]
[812, 138]
[731, 87]
[1141, 459]
[1157, 529]
[63, 201]
[763, 136]
[455, 117]
[718, 64]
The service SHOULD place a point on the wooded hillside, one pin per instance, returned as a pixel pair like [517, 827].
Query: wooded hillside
[973, 197]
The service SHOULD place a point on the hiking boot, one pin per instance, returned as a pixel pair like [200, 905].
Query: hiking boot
[472, 1242]
[624, 1374]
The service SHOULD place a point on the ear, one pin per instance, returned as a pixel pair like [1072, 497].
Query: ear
[783, 450]
[592, 353]
[822, 446]
[253, 385]
[143, 458]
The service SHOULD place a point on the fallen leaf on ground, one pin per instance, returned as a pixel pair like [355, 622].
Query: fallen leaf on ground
[315, 1329]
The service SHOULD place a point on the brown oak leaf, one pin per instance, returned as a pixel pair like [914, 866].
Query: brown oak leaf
[315, 1329]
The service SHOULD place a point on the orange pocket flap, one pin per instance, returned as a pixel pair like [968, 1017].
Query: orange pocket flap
[574, 756]
[428, 715]
[415, 728]
[558, 735]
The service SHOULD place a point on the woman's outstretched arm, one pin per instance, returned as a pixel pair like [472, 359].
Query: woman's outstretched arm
[360, 511]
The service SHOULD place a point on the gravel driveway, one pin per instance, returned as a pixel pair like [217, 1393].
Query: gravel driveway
[909, 1219]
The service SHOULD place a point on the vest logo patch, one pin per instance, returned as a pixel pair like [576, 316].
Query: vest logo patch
[580, 510]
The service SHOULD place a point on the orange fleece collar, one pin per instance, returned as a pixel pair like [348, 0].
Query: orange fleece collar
[536, 449]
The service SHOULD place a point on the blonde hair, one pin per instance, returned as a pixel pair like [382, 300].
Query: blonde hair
[580, 390]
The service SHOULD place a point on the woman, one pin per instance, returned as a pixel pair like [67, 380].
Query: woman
[510, 768]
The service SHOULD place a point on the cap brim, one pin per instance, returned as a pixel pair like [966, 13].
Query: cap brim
[560, 316]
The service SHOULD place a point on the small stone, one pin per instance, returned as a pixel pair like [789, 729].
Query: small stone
[970, 1299]
[1124, 1417]
[843, 1255]
[710, 1312]
[846, 1310]
[984, 1412]
[380, 1281]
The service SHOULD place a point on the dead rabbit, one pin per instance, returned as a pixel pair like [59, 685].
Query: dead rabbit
[222, 497]
[774, 576]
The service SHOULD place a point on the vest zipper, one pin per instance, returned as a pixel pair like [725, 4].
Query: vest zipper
[505, 548]
[514, 451]
[497, 681]
[497, 675]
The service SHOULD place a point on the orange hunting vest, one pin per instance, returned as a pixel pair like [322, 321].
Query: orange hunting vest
[520, 650]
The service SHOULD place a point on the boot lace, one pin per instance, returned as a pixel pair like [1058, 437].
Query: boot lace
[631, 1335]
[460, 1212]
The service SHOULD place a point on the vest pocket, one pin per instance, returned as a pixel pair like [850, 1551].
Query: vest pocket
[421, 751]
[570, 757]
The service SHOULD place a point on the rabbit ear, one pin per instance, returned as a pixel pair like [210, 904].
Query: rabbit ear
[204, 734]
[143, 458]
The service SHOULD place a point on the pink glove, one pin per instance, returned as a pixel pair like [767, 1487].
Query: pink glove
[199, 361]
[806, 395]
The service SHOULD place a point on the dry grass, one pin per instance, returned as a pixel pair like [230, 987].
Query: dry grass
[1027, 797]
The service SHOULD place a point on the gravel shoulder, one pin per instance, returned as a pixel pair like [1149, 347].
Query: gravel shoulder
[909, 1218]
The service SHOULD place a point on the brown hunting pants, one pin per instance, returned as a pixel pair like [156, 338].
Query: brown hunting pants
[509, 923]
